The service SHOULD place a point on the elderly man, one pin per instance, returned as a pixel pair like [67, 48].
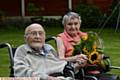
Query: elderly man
[37, 59]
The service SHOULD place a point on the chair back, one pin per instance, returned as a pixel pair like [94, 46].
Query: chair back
[11, 56]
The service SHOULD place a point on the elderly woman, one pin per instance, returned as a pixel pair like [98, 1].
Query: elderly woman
[71, 36]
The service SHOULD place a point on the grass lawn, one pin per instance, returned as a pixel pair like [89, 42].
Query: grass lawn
[15, 37]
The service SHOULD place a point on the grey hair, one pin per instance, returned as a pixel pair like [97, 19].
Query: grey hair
[69, 16]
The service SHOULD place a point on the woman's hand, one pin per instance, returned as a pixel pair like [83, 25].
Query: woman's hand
[81, 60]
[81, 56]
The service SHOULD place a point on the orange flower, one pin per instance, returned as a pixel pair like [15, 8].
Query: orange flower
[84, 37]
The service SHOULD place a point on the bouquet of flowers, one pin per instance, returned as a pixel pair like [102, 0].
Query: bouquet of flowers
[92, 46]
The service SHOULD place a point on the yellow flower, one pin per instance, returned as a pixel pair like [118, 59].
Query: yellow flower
[93, 57]
[84, 37]
[85, 50]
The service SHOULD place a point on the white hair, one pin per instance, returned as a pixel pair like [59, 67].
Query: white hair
[69, 16]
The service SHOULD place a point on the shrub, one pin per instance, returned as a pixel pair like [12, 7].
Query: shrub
[91, 15]
[47, 22]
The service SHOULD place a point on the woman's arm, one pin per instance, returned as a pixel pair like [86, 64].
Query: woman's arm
[60, 48]
[61, 51]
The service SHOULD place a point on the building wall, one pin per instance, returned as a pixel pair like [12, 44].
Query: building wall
[46, 7]
[10, 7]
[75, 3]
[104, 5]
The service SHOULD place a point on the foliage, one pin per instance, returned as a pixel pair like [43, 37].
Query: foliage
[90, 45]
[2, 15]
[11, 24]
[114, 14]
[91, 15]
[32, 8]
[47, 22]
[22, 23]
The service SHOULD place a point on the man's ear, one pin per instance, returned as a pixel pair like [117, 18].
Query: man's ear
[25, 37]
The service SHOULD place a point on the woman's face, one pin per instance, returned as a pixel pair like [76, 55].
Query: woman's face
[72, 26]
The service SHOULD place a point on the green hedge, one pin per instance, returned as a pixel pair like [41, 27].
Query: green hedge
[92, 16]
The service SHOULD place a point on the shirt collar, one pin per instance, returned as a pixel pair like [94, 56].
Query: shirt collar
[44, 51]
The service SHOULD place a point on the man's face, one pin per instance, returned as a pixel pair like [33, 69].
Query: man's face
[72, 26]
[35, 37]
